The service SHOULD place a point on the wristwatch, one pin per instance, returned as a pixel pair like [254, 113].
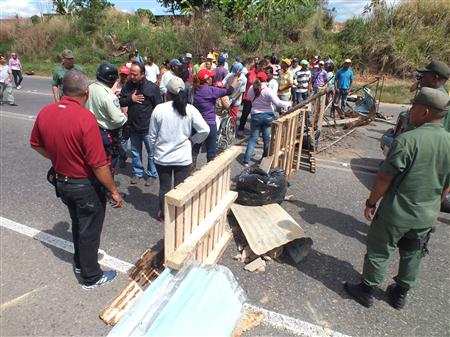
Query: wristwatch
[369, 205]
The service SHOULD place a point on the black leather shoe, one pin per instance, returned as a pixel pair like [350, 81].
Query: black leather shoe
[361, 293]
[397, 296]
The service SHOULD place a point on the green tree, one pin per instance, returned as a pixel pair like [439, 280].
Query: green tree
[91, 13]
[146, 13]
[64, 7]
[188, 6]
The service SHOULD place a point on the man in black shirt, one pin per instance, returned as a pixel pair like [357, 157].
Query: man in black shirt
[140, 96]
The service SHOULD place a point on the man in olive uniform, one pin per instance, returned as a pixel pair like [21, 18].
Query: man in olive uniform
[60, 71]
[104, 104]
[434, 75]
[412, 181]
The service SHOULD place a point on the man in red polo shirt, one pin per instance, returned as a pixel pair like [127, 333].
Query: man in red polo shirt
[67, 134]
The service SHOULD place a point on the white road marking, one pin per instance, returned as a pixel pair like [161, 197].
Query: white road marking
[348, 164]
[293, 325]
[343, 169]
[274, 319]
[34, 92]
[18, 299]
[17, 115]
[105, 260]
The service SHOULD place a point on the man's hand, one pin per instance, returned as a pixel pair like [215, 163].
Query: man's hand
[337, 91]
[369, 212]
[118, 200]
[137, 98]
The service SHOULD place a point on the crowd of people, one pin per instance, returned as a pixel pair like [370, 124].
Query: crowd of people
[173, 109]
[10, 72]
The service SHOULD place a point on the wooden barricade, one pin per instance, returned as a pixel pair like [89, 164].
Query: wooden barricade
[286, 141]
[196, 225]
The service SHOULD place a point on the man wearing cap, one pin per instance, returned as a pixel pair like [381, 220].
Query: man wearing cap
[294, 68]
[139, 58]
[285, 80]
[342, 85]
[221, 71]
[140, 96]
[434, 75]
[174, 65]
[302, 81]
[318, 77]
[104, 104]
[412, 181]
[60, 71]
[209, 58]
[190, 67]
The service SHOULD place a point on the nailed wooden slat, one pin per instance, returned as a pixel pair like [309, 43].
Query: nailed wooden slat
[169, 229]
[195, 204]
[184, 191]
[219, 248]
[300, 139]
[187, 215]
[179, 226]
[188, 247]
[202, 204]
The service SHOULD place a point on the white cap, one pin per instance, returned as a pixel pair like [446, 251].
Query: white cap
[188, 55]
[175, 85]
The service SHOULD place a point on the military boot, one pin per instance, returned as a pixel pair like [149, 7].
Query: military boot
[397, 296]
[361, 293]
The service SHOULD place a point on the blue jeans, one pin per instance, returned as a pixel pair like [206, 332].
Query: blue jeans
[210, 142]
[136, 152]
[260, 123]
[343, 93]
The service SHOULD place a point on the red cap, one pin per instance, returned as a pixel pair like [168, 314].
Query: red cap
[262, 76]
[204, 74]
[124, 70]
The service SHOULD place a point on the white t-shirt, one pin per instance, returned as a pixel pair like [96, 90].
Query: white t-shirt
[294, 73]
[273, 84]
[171, 134]
[240, 87]
[4, 74]
[151, 72]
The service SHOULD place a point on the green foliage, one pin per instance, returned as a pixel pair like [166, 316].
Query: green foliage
[64, 7]
[91, 14]
[35, 19]
[146, 13]
[251, 40]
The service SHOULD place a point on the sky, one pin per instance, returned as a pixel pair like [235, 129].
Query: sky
[345, 9]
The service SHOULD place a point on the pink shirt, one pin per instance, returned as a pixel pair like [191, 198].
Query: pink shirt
[15, 64]
[263, 103]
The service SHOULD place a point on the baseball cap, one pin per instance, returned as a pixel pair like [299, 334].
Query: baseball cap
[237, 59]
[124, 70]
[321, 62]
[221, 59]
[175, 85]
[295, 59]
[237, 66]
[287, 61]
[204, 74]
[175, 62]
[348, 61]
[188, 55]
[262, 76]
[67, 54]
[437, 67]
[304, 62]
[209, 56]
[432, 98]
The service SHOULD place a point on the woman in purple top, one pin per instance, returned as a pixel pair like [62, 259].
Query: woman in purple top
[262, 114]
[205, 96]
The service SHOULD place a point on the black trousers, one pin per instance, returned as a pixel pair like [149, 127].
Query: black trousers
[246, 109]
[17, 74]
[165, 174]
[86, 205]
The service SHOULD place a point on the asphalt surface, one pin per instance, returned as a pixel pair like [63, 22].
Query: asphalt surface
[41, 296]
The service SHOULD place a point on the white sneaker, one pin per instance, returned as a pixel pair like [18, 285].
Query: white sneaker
[19, 87]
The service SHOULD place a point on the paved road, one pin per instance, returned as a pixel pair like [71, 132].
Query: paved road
[41, 296]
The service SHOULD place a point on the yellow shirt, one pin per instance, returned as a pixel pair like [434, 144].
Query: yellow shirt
[286, 79]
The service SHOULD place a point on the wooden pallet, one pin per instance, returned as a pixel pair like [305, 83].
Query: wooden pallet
[196, 225]
[147, 269]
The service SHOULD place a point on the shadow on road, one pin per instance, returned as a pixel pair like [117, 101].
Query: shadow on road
[61, 230]
[363, 168]
[145, 202]
[343, 223]
[328, 270]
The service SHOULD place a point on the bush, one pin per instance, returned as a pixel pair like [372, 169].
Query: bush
[250, 41]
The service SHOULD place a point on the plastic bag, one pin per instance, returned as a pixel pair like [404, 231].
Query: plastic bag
[255, 187]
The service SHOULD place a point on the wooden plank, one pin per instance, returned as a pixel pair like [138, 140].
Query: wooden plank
[179, 226]
[184, 191]
[187, 222]
[187, 249]
[195, 203]
[202, 205]
[219, 248]
[214, 191]
[208, 198]
[228, 178]
[277, 143]
[266, 227]
[300, 140]
[266, 164]
[169, 229]
[321, 111]
[220, 189]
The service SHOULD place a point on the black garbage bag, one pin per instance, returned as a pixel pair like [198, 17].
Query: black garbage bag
[255, 187]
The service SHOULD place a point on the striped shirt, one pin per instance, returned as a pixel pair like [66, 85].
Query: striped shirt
[303, 77]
